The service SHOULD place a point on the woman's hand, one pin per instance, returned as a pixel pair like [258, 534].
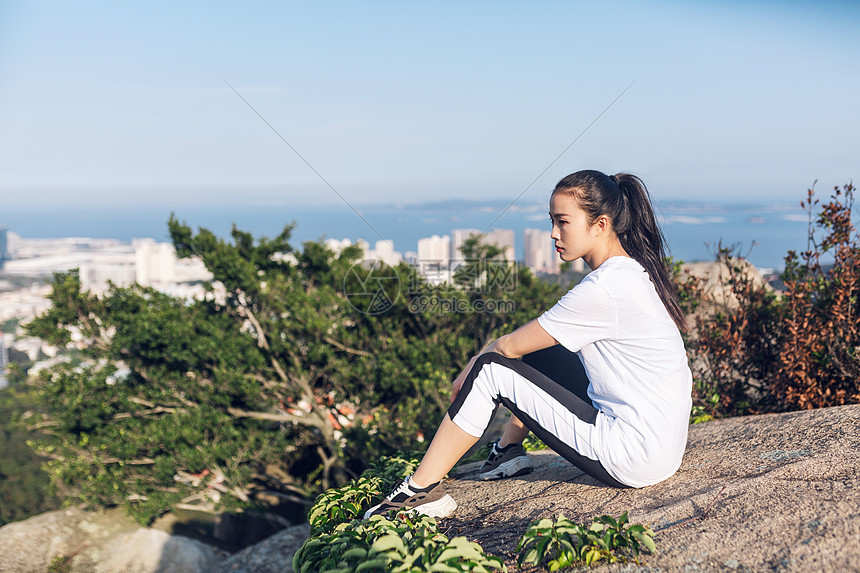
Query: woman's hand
[530, 337]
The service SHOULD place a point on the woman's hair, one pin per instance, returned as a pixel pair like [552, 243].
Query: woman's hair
[624, 199]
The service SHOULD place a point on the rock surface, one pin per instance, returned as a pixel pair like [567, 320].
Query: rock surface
[272, 555]
[99, 542]
[777, 492]
[714, 276]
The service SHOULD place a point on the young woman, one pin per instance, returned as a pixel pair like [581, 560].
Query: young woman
[622, 415]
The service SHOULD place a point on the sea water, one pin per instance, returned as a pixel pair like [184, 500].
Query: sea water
[762, 232]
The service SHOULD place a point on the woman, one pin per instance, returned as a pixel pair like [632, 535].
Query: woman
[622, 320]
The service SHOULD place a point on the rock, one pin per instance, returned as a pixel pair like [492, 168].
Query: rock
[99, 542]
[272, 555]
[774, 492]
[713, 277]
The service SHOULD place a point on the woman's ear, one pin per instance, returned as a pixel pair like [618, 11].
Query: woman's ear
[602, 224]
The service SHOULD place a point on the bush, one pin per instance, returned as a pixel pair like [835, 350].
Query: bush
[349, 501]
[342, 541]
[819, 358]
[797, 350]
[407, 543]
[24, 487]
[561, 543]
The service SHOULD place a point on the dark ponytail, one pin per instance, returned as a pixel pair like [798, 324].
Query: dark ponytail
[625, 200]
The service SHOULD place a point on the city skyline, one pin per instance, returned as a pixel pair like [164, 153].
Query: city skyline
[691, 228]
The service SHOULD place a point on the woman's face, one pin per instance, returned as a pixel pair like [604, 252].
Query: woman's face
[573, 236]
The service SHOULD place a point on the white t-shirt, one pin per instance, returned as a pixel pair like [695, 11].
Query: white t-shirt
[637, 367]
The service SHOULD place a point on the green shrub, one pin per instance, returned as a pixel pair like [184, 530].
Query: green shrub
[562, 543]
[406, 543]
[761, 351]
[349, 501]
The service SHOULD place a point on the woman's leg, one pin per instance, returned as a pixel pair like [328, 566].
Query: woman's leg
[515, 432]
[448, 446]
[557, 416]
[556, 363]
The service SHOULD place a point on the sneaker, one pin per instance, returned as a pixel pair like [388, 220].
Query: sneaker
[506, 462]
[431, 500]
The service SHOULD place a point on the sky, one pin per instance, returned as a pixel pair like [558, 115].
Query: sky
[128, 104]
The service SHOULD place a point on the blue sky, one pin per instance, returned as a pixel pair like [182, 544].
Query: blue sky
[114, 103]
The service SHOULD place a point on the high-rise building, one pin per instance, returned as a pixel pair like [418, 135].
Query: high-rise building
[384, 251]
[458, 238]
[435, 249]
[540, 256]
[502, 238]
[154, 262]
[4, 246]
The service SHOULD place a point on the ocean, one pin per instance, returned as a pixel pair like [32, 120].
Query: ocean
[762, 232]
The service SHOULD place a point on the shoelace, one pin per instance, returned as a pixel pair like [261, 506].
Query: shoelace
[402, 488]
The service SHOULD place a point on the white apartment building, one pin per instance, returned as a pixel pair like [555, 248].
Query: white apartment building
[502, 238]
[384, 251]
[154, 262]
[435, 249]
[540, 256]
[458, 238]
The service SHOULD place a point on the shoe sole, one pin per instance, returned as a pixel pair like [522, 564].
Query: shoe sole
[442, 507]
[512, 468]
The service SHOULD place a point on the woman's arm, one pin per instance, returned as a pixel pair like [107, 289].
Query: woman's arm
[530, 337]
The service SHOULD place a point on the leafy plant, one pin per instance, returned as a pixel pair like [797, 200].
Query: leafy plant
[342, 504]
[407, 543]
[349, 501]
[532, 443]
[699, 415]
[561, 543]
[24, 487]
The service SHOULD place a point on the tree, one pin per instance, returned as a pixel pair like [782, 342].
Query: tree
[296, 368]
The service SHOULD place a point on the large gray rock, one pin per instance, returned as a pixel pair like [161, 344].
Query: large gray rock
[776, 492]
[99, 542]
[272, 555]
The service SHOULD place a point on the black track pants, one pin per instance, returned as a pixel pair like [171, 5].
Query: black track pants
[561, 415]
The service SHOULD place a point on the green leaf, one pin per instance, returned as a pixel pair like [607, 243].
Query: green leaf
[648, 542]
[354, 553]
[387, 543]
[529, 556]
[378, 564]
